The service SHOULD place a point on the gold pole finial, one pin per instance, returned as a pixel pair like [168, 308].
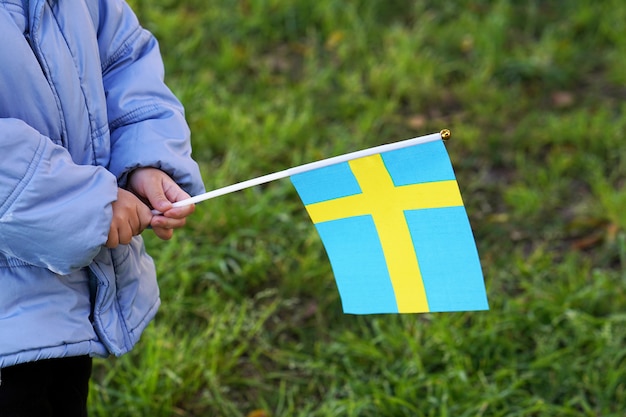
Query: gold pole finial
[445, 134]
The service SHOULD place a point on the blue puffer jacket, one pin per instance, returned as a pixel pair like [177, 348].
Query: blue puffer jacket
[82, 103]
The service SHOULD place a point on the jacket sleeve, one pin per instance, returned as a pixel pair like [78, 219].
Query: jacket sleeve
[146, 120]
[47, 203]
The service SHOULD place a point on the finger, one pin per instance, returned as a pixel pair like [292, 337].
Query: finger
[144, 218]
[113, 239]
[180, 212]
[167, 223]
[173, 191]
[158, 200]
[163, 233]
[125, 233]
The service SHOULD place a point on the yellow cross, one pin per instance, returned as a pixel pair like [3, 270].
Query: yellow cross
[386, 203]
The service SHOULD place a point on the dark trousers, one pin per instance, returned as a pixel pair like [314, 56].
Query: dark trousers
[47, 388]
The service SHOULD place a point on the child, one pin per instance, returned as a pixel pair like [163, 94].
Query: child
[90, 141]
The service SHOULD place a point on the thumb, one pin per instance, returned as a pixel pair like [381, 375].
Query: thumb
[159, 201]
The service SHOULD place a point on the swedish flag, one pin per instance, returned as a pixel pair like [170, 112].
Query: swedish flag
[396, 232]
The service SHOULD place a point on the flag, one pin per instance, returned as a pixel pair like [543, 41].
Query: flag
[393, 224]
[396, 232]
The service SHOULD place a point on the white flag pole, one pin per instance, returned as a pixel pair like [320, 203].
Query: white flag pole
[444, 134]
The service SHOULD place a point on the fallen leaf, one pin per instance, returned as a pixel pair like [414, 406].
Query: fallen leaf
[258, 413]
[562, 99]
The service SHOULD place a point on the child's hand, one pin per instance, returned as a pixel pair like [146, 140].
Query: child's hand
[130, 218]
[157, 188]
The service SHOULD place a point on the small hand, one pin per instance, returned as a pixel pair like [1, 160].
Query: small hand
[160, 191]
[130, 218]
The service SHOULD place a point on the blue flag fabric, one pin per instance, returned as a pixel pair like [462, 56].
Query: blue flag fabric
[396, 232]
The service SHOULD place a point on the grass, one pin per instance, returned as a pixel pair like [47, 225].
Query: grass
[251, 322]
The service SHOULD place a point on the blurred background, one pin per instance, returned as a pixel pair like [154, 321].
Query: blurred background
[251, 322]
